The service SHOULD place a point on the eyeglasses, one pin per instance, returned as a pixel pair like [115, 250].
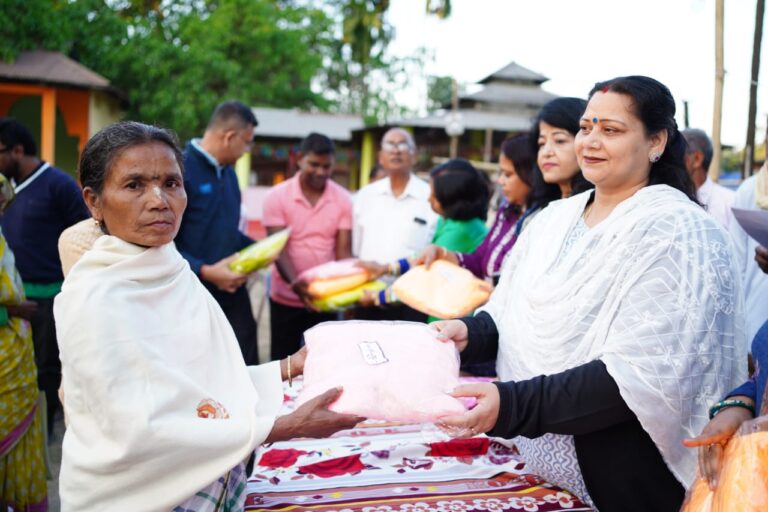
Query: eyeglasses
[396, 146]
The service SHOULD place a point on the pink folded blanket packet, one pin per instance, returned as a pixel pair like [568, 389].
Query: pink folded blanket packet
[392, 371]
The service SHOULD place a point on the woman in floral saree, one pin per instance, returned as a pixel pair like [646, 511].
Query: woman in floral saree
[23, 485]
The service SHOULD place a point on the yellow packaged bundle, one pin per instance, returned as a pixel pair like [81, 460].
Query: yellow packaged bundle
[260, 254]
[334, 277]
[343, 300]
[445, 290]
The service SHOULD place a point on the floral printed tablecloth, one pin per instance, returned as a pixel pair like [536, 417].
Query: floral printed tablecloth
[398, 468]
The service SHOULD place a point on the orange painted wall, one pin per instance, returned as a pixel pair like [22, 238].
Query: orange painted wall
[7, 101]
[73, 105]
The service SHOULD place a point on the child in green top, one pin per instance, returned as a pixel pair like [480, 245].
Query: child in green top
[460, 195]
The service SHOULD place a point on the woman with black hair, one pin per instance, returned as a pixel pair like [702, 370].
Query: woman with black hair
[553, 134]
[162, 412]
[460, 195]
[535, 169]
[617, 319]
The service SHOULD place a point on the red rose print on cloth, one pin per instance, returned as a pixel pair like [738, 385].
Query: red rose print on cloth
[334, 467]
[459, 447]
[278, 458]
[210, 408]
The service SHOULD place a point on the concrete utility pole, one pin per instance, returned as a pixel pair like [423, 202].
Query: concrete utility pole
[454, 148]
[749, 147]
[717, 114]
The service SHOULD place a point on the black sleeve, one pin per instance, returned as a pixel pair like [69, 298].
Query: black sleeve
[483, 339]
[577, 401]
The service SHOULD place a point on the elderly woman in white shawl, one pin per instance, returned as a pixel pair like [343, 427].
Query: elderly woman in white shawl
[162, 412]
[617, 319]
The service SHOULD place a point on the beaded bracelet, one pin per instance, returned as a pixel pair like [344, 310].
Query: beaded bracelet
[725, 404]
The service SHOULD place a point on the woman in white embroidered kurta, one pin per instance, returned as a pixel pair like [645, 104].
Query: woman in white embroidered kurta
[161, 410]
[617, 318]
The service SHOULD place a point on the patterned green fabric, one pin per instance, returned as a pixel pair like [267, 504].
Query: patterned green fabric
[227, 494]
[22, 468]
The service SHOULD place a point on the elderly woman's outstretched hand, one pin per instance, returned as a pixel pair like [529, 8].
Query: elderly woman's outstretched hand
[313, 419]
[452, 330]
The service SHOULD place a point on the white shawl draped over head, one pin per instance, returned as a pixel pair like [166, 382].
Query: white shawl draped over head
[158, 400]
[652, 291]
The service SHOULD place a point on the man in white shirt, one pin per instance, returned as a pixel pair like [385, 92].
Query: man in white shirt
[392, 218]
[715, 198]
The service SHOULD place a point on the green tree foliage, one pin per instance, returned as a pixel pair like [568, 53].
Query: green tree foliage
[439, 8]
[33, 25]
[439, 92]
[731, 159]
[361, 76]
[358, 57]
[247, 49]
[175, 60]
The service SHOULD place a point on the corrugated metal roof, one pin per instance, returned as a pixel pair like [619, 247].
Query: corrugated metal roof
[473, 120]
[515, 72]
[54, 68]
[292, 123]
[511, 94]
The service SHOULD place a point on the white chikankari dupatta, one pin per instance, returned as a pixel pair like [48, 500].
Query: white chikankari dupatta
[158, 399]
[652, 291]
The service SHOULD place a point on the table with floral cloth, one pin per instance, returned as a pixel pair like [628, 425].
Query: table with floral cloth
[378, 467]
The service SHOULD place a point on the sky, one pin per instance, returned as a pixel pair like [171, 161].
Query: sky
[579, 42]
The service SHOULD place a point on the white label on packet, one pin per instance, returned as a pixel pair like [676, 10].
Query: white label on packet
[372, 353]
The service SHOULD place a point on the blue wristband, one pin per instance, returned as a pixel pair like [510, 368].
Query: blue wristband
[382, 297]
[404, 266]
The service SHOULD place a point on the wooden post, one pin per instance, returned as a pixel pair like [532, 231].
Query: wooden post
[717, 115]
[48, 125]
[367, 158]
[488, 150]
[454, 150]
[749, 153]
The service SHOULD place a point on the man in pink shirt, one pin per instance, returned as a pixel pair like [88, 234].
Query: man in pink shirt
[319, 213]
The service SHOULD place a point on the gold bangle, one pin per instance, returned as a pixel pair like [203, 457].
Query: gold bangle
[290, 377]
